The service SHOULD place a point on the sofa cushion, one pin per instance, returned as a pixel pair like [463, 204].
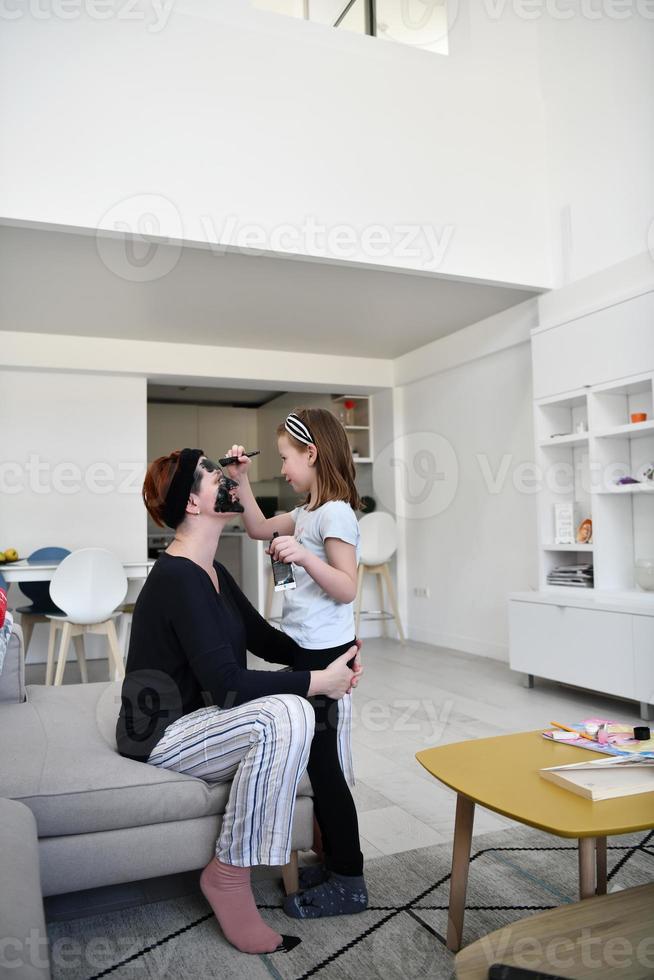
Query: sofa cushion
[60, 759]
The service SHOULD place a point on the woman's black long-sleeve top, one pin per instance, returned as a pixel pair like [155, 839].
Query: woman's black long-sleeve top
[187, 639]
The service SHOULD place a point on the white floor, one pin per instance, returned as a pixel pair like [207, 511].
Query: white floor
[415, 696]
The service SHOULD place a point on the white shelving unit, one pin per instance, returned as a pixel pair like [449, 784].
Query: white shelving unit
[582, 468]
[599, 638]
[357, 422]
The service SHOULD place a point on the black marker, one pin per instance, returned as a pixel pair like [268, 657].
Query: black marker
[230, 460]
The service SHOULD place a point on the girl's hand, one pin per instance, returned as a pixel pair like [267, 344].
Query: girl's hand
[286, 548]
[238, 470]
[337, 678]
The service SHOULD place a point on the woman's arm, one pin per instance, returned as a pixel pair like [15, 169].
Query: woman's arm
[263, 640]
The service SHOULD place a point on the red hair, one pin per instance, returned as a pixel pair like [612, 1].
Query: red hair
[157, 482]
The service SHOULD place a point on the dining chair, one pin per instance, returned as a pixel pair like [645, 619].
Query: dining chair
[39, 594]
[88, 586]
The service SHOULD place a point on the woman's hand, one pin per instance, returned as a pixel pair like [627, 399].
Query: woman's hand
[357, 667]
[238, 470]
[336, 680]
[286, 548]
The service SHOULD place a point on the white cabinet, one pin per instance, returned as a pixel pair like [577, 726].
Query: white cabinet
[589, 648]
[219, 427]
[171, 427]
[616, 341]
[210, 427]
[644, 657]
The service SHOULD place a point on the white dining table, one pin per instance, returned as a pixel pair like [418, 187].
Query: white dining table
[42, 571]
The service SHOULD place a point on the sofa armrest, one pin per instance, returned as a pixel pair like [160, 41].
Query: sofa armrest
[23, 935]
[12, 678]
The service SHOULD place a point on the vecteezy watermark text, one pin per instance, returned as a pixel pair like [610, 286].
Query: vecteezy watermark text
[421, 242]
[42, 476]
[154, 13]
[568, 9]
[140, 238]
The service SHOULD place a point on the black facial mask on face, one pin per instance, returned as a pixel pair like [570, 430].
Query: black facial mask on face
[224, 503]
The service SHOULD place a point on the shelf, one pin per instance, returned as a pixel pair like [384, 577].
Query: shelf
[568, 547]
[357, 428]
[572, 399]
[636, 386]
[640, 603]
[362, 459]
[626, 490]
[634, 430]
[568, 590]
[573, 439]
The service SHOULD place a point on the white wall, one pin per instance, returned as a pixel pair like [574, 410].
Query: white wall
[75, 446]
[483, 545]
[597, 80]
[223, 111]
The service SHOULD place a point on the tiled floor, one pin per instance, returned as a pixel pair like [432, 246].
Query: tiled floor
[415, 696]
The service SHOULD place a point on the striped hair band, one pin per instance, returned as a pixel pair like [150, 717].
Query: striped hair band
[298, 429]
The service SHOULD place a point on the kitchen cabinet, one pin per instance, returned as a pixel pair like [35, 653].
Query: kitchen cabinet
[213, 428]
[219, 427]
[171, 427]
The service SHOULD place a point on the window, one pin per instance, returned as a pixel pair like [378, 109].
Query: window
[420, 23]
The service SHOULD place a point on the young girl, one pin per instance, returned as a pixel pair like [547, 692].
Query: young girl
[321, 539]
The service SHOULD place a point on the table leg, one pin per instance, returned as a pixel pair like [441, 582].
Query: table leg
[600, 859]
[465, 815]
[587, 857]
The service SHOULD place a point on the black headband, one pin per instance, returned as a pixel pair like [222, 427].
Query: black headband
[180, 487]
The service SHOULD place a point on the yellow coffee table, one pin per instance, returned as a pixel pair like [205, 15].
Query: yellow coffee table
[501, 774]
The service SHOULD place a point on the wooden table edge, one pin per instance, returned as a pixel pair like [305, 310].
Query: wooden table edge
[568, 834]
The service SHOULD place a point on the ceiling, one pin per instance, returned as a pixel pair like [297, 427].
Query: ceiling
[196, 395]
[70, 282]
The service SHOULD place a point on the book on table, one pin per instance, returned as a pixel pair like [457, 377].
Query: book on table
[604, 779]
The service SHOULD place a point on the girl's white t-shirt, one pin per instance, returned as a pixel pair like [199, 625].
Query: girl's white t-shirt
[311, 617]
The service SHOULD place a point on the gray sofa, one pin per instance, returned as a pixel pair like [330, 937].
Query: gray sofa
[23, 937]
[102, 819]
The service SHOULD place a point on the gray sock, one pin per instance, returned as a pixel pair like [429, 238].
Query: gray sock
[338, 895]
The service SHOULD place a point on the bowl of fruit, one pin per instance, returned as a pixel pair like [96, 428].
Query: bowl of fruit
[8, 556]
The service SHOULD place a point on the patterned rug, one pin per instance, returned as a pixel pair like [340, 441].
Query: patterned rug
[512, 874]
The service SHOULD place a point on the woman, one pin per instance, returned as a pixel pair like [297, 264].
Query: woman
[191, 629]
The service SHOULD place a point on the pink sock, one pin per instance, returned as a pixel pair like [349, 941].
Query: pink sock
[227, 889]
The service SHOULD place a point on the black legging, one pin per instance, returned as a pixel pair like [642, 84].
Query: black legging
[333, 804]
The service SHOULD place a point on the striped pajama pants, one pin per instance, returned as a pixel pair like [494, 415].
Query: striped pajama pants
[263, 747]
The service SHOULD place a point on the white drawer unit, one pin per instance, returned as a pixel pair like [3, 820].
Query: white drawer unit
[611, 651]
[644, 657]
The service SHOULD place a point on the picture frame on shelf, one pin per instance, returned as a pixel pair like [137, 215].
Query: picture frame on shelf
[585, 531]
[564, 523]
